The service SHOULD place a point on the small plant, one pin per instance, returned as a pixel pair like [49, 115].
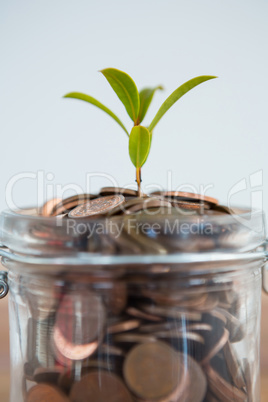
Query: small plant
[137, 104]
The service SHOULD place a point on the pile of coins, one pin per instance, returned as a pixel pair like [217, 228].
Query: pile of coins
[135, 337]
[129, 340]
[112, 201]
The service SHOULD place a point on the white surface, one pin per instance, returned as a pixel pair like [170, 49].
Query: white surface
[215, 135]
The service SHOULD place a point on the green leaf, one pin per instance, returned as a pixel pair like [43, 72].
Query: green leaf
[95, 102]
[146, 96]
[151, 137]
[177, 94]
[126, 90]
[139, 145]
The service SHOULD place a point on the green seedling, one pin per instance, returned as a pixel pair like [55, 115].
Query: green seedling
[136, 104]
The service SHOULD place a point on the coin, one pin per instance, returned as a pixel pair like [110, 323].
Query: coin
[134, 338]
[48, 375]
[79, 326]
[100, 386]
[171, 312]
[63, 206]
[186, 196]
[224, 391]
[197, 388]
[123, 326]
[98, 206]
[234, 326]
[190, 205]
[149, 203]
[153, 370]
[111, 350]
[140, 314]
[137, 203]
[49, 205]
[115, 297]
[46, 393]
[233, 365]
[216, 348]
[29, 211]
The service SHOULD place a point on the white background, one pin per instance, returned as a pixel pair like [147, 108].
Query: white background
[216, 135]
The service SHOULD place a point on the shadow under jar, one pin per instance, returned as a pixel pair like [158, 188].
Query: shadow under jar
[136, 308]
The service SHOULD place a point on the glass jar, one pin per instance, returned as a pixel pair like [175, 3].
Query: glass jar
[134, 308]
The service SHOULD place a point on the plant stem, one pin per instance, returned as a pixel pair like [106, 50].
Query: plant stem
[138, 180]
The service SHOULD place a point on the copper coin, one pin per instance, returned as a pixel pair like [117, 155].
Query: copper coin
[233, 365]
[163, 326]
[63, 206]
[197, 388]
[171, 312]
[134, 338]
[186, 196]
[49, 205]
[98, 206]
[149, 203]
[136, 202]
[107, 349]
[46, 393]
[119, 190]
[234, 326]
[153, 370]
[123, 326]
[29, 211]
[190, 205]
[79, 325]
[48, 375]
[115, 297]
[100, 386]
[216, 348]
[184, 336]
[141, 314]
[224, 391]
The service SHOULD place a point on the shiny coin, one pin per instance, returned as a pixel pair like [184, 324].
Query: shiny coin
[98, 206]
[224, 391]
[63, 206]
[186, 196]
[153, 370]
[79, 325]
[119, 190]
[46, 393]
[100, 386]
[49, 205]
